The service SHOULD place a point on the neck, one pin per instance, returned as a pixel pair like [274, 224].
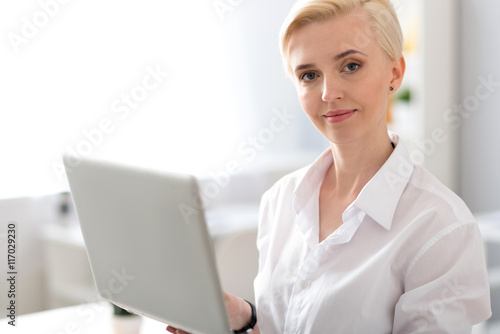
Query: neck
[356, 162]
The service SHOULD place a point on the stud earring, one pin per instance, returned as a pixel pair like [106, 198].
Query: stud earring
[392, 89]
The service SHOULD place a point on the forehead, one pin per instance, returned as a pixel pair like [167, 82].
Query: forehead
[331, 37]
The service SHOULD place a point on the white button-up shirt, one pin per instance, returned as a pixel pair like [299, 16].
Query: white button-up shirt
[408, 258]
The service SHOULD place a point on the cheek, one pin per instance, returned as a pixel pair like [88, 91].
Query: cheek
[374, 93]
[310, 101]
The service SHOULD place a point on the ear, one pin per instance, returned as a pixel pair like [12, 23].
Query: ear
[398, 72]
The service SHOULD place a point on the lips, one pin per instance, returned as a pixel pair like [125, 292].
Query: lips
[337, 116]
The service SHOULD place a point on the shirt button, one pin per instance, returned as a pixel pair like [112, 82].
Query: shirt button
[303, 284]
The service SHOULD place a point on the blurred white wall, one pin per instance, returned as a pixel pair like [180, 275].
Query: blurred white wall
[438, 88]
[480, 107]
[174, 85]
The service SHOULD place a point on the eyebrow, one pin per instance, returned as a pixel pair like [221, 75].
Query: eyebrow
[347, 53]
[336, 58]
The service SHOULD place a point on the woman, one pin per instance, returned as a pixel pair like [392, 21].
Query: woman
[362, 240]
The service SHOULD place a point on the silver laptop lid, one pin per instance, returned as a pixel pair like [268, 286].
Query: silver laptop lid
[148, 245]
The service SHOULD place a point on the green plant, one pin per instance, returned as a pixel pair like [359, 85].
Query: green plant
[118, 311]
[404, 95]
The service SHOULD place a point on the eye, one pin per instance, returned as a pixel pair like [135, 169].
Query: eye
[308, 76]
[351, 67]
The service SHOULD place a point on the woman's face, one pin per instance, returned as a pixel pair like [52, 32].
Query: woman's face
[343, 77]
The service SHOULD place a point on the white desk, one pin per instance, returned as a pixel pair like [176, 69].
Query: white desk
[93, 318]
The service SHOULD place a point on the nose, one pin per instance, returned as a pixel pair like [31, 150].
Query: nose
[331, 90]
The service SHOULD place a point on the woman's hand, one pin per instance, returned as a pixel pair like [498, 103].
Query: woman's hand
[239, 312]
[175, 330]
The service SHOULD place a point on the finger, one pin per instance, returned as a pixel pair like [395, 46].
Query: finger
[171, 329]
[175, 330]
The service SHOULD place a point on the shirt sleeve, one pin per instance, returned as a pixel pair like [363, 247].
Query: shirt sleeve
[446, 287]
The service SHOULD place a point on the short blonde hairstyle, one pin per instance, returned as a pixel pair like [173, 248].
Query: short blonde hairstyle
[384, 20]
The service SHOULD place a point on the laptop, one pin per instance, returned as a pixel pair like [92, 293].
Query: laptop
[148, 244]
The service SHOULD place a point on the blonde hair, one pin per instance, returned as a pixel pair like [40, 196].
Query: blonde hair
[381, 13]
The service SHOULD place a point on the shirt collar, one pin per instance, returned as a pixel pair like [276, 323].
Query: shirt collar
[378, 198]
[311, 180]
